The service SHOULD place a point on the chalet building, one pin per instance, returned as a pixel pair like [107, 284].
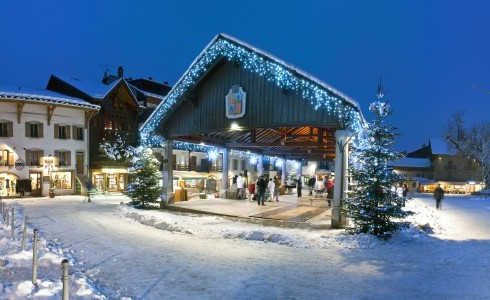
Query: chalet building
[436, 163]
[119, 115]
[148, 92]
[238, 103]
[43, 141]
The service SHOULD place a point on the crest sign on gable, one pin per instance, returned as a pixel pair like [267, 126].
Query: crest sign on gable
[235, 102]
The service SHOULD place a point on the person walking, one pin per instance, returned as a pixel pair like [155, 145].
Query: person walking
[251, 191]
[270, 187]
[261, 187]
[311, 184]
[438, 195]
[240, 184]
[405, 190]
[299, 186]
[277, 184]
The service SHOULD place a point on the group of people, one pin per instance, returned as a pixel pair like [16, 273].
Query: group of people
[263, 189]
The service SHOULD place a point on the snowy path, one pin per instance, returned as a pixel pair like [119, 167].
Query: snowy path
[213, 258]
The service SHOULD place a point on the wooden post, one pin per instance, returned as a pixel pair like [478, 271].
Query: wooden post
[24, 232]
[34, 259]
[64, 278]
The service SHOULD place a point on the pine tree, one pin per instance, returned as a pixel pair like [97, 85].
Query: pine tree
[373, 205]
[143, 184]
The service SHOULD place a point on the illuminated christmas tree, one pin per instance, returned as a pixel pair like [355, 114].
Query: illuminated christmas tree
[374, 205]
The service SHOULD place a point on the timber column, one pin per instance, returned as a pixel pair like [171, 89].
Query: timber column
[260, 166]
[283, 171]
[224, 174]
[342, 139]
[167, 175]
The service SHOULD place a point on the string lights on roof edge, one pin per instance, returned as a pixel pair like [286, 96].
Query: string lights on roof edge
[318, 96]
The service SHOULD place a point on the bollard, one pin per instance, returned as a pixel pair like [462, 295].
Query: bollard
[12, 229]
[34, 259]
[24, 231]
[64, 279]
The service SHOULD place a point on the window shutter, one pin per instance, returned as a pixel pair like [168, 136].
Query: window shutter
[56, 131]
[40, 129]
[68, 132]
[57, 155]
[68, 158]
[28, 157]
[40, 154]
[28, 129]
[10, 129]
[74, 132]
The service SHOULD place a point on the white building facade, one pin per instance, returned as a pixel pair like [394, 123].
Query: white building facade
[43, 142]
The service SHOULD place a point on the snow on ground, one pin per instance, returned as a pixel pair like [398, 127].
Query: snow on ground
[16, 265]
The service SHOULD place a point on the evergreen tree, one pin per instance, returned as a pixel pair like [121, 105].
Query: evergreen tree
[143, 178]
[373, 204]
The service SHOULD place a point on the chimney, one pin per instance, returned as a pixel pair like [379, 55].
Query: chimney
[120, 72]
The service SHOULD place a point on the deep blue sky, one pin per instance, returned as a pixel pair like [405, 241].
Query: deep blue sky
[430, 53]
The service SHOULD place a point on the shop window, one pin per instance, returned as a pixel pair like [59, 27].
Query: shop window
[78, 133]
[6, 158]
[62, 132]
[6, 129]
[112, 181]
[61, 180]
[64, 157]
[107, 124]
[99, 182]
[34, 129]
[33, 157]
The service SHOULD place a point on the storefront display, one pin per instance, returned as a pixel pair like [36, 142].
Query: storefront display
[7, 184]
[61, 180]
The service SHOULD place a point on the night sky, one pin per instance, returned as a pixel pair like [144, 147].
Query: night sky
[431, 54]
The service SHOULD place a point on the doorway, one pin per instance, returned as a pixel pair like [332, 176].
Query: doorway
[36, 183]
[79, 164]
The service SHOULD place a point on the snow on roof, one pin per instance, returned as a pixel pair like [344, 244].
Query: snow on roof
[94, 89]
[285, 76]
[46, 96]
[439, 147]
[293, 68]
[410, 162]
[145, 92]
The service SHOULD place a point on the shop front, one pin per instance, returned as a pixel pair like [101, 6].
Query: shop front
[110, 180]
[7, 184]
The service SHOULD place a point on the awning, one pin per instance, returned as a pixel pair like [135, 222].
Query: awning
[452, 182]
[183, 175]
[423, 180]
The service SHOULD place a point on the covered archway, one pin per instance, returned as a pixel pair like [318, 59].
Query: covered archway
[235, 96]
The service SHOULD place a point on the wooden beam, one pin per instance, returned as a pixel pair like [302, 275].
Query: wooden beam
[88, 116]
[51, 109]
[275, 144]
[20, 109]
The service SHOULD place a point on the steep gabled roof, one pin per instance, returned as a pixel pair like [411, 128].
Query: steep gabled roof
[96, 90]
[439, 147]
[410, 162]
[93, 89]
[43, 96]
[320, 94]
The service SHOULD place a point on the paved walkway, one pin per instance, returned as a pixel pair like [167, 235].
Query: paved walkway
[290, 210]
